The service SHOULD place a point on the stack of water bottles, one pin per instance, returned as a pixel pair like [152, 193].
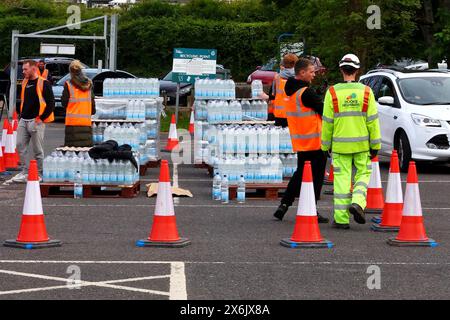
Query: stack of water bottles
[131, 88]
[256, 110]
[221, 190]
[223, 111]
[215, 89]
[289, 162]
[62, 167]
[124, 109]
[257, 88]
[248, 139]
[142, 136]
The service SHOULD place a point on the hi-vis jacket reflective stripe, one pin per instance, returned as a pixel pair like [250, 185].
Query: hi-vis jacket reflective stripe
[79, 108]
[42, 104]
[281, 99]
[44, 74]
[350, 119]
[304, 123]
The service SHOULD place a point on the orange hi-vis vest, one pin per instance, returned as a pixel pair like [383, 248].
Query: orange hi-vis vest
[281, 99]
[44, 74]
[305, 125]
[79, 108]
[42, 103]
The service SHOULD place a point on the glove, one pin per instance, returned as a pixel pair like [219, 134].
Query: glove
[373, 153]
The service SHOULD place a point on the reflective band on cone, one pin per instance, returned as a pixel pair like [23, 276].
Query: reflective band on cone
[32, 232]
[4, 133]
[306, 231]
[412, 229]
[391, 216]
[164, 231]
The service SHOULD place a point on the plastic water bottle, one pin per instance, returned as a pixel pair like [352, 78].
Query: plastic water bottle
[78, 186]
[224, 189]
[216, 187]
[241, 190]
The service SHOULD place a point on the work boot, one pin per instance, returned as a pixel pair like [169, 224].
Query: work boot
[20, 178]
[281, 211]
[322, 219]
[358, 213]
[344, 226]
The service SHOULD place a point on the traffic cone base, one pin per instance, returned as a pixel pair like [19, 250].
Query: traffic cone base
[397, 243]
[380, 228]
[183, 242]
[288, 243]
[32, 245]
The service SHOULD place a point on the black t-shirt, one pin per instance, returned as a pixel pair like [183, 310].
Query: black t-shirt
[31, 101]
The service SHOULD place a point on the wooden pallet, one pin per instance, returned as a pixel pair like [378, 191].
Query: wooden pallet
[65, 190]
[150, 164]
[261, 191]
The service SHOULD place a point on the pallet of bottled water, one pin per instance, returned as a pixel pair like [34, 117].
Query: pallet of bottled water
[128, 109]
[215, 89]
[79, 167]
[220, 111]
[132, 88]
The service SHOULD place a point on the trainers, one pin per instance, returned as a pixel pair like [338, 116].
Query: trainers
[322, 219]
[358, 213]
[20, 178]
[344, 226]
[281, 211]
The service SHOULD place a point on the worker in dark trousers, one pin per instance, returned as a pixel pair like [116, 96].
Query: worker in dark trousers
[304, 115]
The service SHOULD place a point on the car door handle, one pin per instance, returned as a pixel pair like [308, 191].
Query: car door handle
[395, 117]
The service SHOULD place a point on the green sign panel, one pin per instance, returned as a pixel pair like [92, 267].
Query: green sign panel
[192, 64]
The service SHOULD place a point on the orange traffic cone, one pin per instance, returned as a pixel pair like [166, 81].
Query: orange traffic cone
[306, 232]
[4, 133]
[32, 233]
[329, 180]
[2, 162]
[412, 230]
[375, 200]
[164, 231]
[191, 123]
[172, 141]
[10, 154]
[391, 216]
[15, 125]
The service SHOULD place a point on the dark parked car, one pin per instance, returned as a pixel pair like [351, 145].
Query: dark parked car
[267, 72]
[58, 67]
[97, 79]
[169, 88]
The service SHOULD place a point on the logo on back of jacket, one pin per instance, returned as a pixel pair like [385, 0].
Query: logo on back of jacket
[352, 101]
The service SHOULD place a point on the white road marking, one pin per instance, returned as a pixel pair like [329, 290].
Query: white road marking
[104, 284]
[177, 281]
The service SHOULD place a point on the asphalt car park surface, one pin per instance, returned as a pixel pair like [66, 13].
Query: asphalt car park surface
[234, 254]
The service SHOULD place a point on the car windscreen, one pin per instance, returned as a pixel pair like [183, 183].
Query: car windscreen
[426, 90]
[63, 80]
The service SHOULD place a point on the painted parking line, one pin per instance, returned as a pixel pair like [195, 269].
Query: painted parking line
[177, 278]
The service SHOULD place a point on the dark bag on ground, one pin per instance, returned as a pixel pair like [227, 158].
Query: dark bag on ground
[112, 151]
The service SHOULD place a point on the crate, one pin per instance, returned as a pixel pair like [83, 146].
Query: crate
[65, 190]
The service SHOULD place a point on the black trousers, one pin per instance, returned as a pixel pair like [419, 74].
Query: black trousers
[281, 122]
[318, 163]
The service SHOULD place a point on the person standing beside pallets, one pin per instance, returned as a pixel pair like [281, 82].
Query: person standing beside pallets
[36, 108]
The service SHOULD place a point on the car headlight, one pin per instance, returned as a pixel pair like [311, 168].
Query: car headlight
[425, 121]
[185, 90]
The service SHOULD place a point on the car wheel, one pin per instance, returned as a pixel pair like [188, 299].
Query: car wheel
[404, 151]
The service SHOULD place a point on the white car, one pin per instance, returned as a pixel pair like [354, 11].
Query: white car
[414, 112]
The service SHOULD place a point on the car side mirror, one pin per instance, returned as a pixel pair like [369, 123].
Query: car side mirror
[386, 101]
[258, 68]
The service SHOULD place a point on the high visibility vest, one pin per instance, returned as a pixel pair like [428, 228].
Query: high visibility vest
[79, 108]
[44, 74]
[281, 99]
[42, 103]
[350, 119]
[305, 125]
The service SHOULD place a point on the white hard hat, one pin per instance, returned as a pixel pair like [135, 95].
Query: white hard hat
[350, 60]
